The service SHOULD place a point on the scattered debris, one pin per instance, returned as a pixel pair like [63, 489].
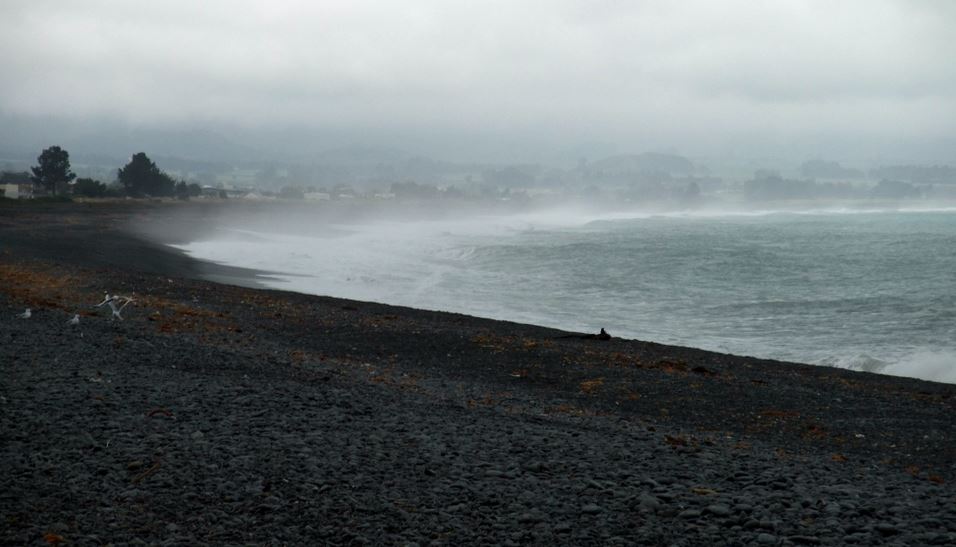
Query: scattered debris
[53, 539]
[160, 412]
[591, 387]
[116, 303]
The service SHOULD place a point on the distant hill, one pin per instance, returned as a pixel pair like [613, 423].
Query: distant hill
[920, 174]
[648, 162]
[821, 169]
[360, 155]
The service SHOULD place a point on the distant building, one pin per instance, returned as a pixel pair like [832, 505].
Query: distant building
[317, 196]
[17, 185]
[212, 191]
[17, 190]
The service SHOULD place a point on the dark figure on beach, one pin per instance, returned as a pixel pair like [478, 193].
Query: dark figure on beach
[603, 335]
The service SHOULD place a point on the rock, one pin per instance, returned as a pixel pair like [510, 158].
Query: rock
[591, 509]
[648, 503]
[536, 467]
[689, 514]
[562, 527]
[804, 540]
[861, 537]
[886, 529]
[718, 509]
[767, 539]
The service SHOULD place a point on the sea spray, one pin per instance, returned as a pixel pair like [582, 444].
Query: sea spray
[867, 290]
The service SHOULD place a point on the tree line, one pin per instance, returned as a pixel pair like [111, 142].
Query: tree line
[140, 177]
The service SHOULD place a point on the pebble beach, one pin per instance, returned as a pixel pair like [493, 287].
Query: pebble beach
[216, 412]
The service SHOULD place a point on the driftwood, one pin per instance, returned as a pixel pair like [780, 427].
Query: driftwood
[603, 335]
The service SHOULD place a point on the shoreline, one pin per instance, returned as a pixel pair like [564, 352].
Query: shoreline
[919, 361]
[217, 413]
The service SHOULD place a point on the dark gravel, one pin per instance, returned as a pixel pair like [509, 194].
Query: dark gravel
[219, 414]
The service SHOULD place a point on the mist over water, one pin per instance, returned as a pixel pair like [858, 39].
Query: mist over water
[869, 290]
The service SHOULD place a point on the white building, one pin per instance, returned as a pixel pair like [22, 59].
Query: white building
[17, 190]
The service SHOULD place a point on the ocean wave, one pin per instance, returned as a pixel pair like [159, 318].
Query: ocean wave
[937, 365]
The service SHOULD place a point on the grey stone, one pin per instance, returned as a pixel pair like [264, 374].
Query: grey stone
[719, 510]
[562, 527]
[649, 503]
[767, 539]
[805, 540]
[886, 529]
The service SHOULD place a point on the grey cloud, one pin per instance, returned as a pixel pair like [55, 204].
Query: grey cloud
[627, 70]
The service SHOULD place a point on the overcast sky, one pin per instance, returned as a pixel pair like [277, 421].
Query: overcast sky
[868, 76]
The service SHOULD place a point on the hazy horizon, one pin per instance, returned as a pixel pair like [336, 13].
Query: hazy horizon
[548, 82]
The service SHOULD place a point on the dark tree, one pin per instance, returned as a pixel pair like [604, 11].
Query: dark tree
[89, 188]
[53, 169]
[141, 177]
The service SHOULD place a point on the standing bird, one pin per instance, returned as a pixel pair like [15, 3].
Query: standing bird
[25, 315]
[75, 320]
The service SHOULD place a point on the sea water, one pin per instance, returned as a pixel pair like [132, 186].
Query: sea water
[867, 290]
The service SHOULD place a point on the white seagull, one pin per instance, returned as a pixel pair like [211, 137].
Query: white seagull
[75, 320]
[25, 315]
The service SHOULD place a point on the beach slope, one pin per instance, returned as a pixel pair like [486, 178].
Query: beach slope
[222, 413]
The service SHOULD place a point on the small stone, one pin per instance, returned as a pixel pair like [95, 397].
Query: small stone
[886, 529]
[805, 540]
[197, 435]
[689, 514]
[766, 539]
[591, 509]
[536, 467]
[719, 510]
[648, 503]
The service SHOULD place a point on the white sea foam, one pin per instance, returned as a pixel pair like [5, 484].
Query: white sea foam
[936, 365]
